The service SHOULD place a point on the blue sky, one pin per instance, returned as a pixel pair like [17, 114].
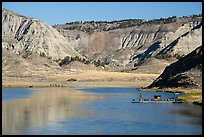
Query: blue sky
[63, 12]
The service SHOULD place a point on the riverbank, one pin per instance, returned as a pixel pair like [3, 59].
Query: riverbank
[73, 84]
[191, 95]
[91, 78]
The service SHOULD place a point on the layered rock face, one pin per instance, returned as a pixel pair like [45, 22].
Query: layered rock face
[125, 45]
[24, 36]
[111, 43]
[180, 43]
[186, 72]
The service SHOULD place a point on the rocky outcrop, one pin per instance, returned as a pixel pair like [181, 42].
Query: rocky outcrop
[24, 36]
[185, 43]
[115, 47]
[122, 46]
[186, 72]
[179, 43]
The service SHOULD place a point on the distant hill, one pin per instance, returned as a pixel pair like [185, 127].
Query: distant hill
[132, 42]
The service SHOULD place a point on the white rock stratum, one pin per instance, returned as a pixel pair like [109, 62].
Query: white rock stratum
[23, 35]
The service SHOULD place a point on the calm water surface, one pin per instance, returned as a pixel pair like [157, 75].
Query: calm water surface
[27, 111]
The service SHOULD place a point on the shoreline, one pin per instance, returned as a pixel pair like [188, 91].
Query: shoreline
[88, 78]
[191, 95]
[73, 84]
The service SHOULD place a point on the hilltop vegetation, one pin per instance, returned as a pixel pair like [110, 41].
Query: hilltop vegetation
[90, 26]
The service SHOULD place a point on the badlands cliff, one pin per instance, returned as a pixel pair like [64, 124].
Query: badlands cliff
[125, 45]
[138, 50]
[24, 36]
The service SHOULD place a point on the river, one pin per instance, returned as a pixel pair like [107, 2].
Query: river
[94, 111]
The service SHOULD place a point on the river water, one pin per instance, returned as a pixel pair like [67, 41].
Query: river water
[95, 111]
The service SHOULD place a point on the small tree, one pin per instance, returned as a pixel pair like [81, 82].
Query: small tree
[42, 54]
[98, 63]
[65, 61]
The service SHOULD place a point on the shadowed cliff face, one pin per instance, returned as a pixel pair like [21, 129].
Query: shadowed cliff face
[186, 72]
[45, 106]
[24, 36]
[125, 45]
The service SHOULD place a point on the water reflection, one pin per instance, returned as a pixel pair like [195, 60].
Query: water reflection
[192, 111]
[51, 104]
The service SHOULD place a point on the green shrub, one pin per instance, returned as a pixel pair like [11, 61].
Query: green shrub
[42, 54]
[68, 59]
[65, 61]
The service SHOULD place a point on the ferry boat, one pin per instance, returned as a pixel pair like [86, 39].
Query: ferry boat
[157, 99]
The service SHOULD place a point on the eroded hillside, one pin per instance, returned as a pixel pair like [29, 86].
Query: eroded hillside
[24, 35]
[186, 72]
[134, 51]
[123, 46]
